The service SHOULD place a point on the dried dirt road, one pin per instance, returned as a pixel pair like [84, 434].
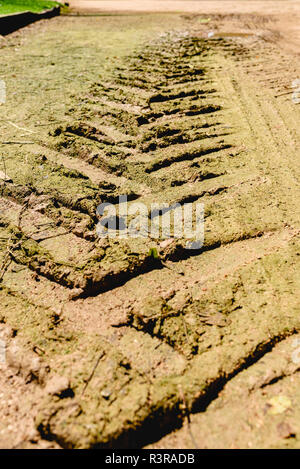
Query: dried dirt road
[139, 342]
[283, 16]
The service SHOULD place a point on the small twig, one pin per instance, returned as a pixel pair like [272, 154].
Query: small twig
[51, 236]
[37, 348]
[102, 354]
[49, 123]
[8, 258]
[48, 223]
[22, 212]
[283, 94]
[185, 329]
[5, 265]
[21, 128]
[16, 143]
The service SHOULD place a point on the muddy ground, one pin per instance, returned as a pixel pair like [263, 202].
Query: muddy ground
[141, 342]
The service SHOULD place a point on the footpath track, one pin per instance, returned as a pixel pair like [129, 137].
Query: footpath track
[116, 342]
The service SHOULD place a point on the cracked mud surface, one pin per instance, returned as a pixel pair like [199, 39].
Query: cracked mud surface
[107, 344]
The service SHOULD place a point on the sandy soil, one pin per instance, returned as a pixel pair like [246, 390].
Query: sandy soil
[284, 15]
[139, 342]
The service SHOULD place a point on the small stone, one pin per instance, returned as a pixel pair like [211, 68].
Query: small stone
[285, 430]
[89, 235]
[166, 243]
[105, 393]
[57, 385]
[75, 293]
[5, 177]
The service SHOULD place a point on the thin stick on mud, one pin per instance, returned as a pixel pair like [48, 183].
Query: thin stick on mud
[52, 236]
[283, 94]
[8, 258]
[21, 128]
[102, 354]
[22, 211]
[17, 143]
[5, 265]
[185, 328]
